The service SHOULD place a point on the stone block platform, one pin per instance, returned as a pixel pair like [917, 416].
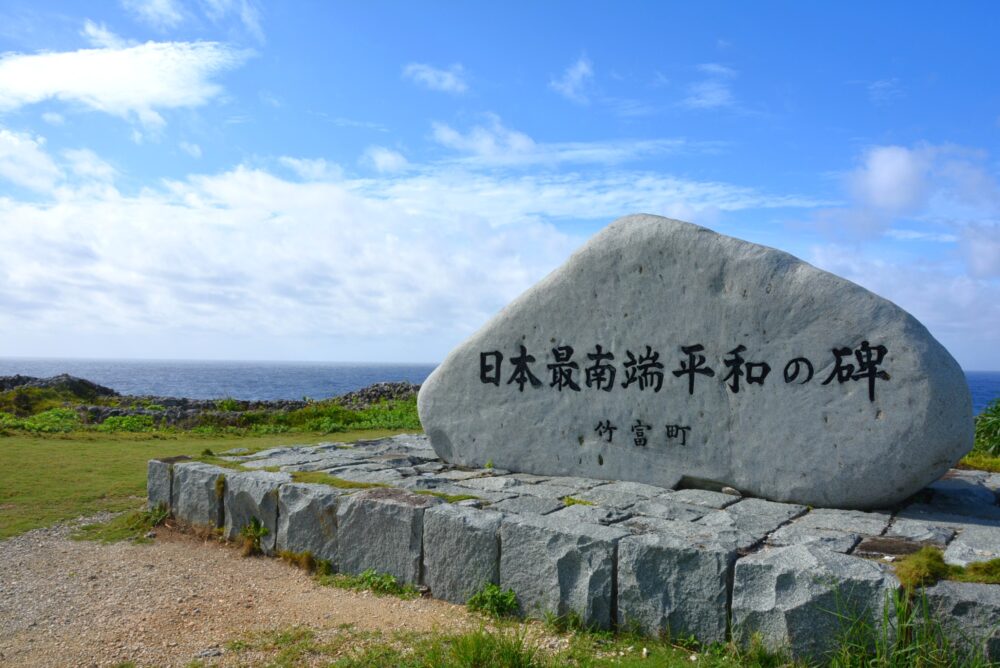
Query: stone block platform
[685, 561]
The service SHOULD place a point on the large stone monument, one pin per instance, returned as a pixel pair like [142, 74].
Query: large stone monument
[664, 353]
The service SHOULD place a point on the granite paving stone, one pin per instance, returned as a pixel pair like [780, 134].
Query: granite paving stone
[796, 534]
[671, 586]
[253, 495]
[591, 514]
[197, 493]
[382, 529]
[849, 521]
[667, 508]
[704, 497]
[973, 543]
[528, 505]
[461, 551]
[560, 566]
[307, 519]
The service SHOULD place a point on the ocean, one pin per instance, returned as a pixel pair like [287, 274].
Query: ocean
[283, 380]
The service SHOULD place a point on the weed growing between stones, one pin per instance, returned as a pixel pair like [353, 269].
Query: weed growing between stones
[307, 562]
[907, 635]
[570, 622]
[333, 481]
[927, 566]
[251, 535]
[447, 498]
[493, 601]
[573, 501]
[382, 584]
[127, 526]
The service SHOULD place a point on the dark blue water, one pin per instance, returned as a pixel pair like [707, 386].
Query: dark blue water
[283, 380]
[985, 387]
[212, 380]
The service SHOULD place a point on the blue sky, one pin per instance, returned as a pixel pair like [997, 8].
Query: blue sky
[232, 179]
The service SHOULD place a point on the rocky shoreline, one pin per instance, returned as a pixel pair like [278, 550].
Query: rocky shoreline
[96, 403]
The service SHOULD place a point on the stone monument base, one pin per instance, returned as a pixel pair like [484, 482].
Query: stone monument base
[617, 554]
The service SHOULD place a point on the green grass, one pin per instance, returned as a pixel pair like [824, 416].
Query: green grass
[128, 526]
[495, 602]
[573, 501]
[448, 498]
[383, 584]
[985, 453]
[926, 566]
[47, 478]
[333, 481]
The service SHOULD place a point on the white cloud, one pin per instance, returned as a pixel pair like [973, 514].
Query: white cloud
[981, 247]
[884, 91]
[133, 82]
[892, 179]
[98, 35]
[87, 165]
[159, 14]
[191, 149]
[961, 311]
[52, 118]
[491, 140]
[451, 80]
[715, 91]
[384, 160]
[717, 70]
[494, 144]
[420, 258]
[575, 81]
[312, 169]
[246, 11]
[918, 235]
[24, 162]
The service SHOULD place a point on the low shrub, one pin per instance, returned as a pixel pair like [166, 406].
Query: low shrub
[252, 534]
[54, 420]
[493, 601]
[988, 430]
[127, 423]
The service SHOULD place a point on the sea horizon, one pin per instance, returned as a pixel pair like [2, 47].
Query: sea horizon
[282, 379]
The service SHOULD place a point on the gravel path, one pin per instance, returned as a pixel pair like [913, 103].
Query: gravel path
[65, 602]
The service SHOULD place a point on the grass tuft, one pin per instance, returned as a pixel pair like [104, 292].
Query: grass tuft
[382, 584]
[127, 526]
[252, 534]
[573, 501]
[493, 601]
[449, 498]
[333, 481]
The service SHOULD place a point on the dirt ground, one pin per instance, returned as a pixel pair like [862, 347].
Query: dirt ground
[171, 602]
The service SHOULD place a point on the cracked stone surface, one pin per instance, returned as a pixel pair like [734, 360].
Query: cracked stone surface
[658, 545]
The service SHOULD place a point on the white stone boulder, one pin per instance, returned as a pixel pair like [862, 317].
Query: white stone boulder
[662, 352]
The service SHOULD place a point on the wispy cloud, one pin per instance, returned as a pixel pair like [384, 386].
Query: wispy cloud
[713, 92]
[133, 82]
[384, 160]
[98, 35]
[451, 80]
[191, 149]
[574, 84]
[313, 169]
[304, 256]
[883, 91]
[24, 162]
[246, 11]
[159, 14]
